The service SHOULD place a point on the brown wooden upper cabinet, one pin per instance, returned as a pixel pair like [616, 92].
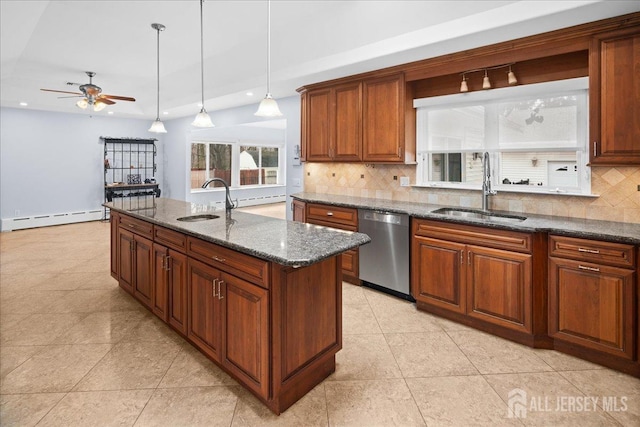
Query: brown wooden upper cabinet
[360, 121]
[615, 98]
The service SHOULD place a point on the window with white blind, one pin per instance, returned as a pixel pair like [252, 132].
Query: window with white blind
[536, 136]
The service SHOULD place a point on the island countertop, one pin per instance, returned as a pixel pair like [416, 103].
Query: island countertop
[284, 242]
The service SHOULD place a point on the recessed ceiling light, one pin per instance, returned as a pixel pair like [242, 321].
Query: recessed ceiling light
[249, 93]
[165, 112]
[23, 104]
[110, 113]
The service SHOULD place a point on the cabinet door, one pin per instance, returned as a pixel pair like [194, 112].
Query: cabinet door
[160, 281]
[438, 273]
[319, 127]
[383, 119]
[592, 305]
[499, 287]
[125, 260]
[204, 308]
[615, 98]
[347, 116]
[143, 276]
[350, 264]
[114, 221]
[177, 291]
[246, 332]
[299, 211]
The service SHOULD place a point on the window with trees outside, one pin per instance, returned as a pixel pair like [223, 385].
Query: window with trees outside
[536, 136]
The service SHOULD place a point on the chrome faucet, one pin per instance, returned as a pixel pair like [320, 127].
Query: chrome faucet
[486, 181]
[228, 202]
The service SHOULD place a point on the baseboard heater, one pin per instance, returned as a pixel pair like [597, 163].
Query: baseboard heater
[20, 223]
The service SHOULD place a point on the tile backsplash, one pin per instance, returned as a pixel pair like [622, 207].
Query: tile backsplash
[617, 187]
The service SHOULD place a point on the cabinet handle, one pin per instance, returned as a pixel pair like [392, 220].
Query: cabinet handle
[468, 257]
[217, 258]
[589, 251]
[583, 267]
[219, 291]
[329, 213]
[461, 258]
[595, 148]
[168, 266]
[214, 287]
[164, 267]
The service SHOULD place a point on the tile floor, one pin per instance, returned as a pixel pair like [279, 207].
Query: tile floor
[75, 350]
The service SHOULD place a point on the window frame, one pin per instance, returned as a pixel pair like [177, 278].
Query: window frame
[489, 100]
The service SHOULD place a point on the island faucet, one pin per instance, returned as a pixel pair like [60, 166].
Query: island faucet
[228, 202]
[486, 181]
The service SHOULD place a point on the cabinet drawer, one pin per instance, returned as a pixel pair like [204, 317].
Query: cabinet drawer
[170, 238]
[616, 254]
[240, 265]
[500, 239]
[138, 226]
[325, 214]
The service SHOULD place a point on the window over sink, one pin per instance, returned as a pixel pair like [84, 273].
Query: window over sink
[536, 136]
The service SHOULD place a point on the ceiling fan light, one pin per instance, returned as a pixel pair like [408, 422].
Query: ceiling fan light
[99, 106]
[202, 120]
[82, 104]
[268, 107]
[157, 127]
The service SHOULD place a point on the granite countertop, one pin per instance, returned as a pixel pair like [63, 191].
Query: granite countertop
[284, 242]
[575, 227]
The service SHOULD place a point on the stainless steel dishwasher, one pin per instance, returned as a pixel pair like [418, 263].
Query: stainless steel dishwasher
[384, 263]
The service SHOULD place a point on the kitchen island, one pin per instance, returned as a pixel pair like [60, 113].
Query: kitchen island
[259, 296]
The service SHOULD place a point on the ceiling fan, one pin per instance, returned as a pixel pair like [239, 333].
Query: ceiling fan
[92, 95]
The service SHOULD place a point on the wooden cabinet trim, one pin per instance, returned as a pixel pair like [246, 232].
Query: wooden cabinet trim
[170, 238]
[332, 214]
[500, 239]
[608, 253]
[138, 226]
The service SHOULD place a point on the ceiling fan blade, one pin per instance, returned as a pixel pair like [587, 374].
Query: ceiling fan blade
[105, 101]
[119, 98]
[72, 96]
[61, 91]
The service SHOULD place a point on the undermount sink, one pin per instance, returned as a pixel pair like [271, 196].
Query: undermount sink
[469, 213]
[195, 218]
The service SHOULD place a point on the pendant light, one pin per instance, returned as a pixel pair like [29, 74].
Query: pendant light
[268, 106]
[157, 126]
[202, 119]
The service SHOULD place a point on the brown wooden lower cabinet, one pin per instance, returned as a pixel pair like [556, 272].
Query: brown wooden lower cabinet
[275, 329]
[114, 220]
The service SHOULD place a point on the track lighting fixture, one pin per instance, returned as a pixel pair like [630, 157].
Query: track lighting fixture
[486, 82]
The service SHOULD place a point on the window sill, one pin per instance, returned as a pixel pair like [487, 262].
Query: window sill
[508, 189]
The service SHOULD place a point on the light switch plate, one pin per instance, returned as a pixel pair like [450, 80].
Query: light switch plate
[404, 181]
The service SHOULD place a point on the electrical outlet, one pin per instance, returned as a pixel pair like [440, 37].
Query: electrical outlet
[404, 181]
[296, 182]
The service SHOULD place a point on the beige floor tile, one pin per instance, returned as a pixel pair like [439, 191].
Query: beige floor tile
[371, 403]
[493, 355]
[627, 411]
[8, 321]
[193, 406]
[310, 411]
[26, 410]
[98, 408]
[603, 382]
[56, 368]
[564, 362]
[546, 394]
[395, 315]
[152, 329]
[450, 325]
[428, 354]
[29, 301]
[22, 282]
[359, 319]
[119, 300]
[352, 294]
[365, 357]
[102, 281]
[459, 401]
[102, 328]
[82, 301]
[192, 369]
[130, 365]
[12, 357]
[40, 329]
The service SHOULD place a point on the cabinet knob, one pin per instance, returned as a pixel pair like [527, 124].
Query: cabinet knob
[329, 213]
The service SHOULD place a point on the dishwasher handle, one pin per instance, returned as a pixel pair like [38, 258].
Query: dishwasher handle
[379, 216]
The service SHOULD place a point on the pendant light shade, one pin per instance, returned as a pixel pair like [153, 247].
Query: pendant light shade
[157, 126]
[268, 106]
[202, 119]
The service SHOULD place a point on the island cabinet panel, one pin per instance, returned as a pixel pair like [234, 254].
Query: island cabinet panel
[125, 260]
[160, 304]
[439, 273]
[177, 291]
[615, 97]
[204, 308]
[114, 221]
[499, 287]
[245, 332]
[143, 267]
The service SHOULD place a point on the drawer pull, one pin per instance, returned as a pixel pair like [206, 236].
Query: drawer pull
[215, 281]
[329, 213]
[217, 258]
[583, 267]
[220, 282]
[589, 251]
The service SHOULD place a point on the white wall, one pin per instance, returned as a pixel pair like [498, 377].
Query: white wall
[52, 163]
[178, 137]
